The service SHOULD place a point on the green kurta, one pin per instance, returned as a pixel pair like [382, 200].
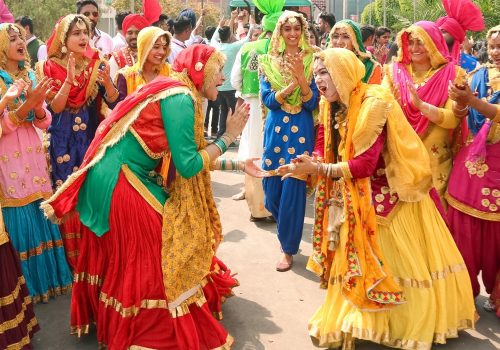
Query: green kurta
[94, 199]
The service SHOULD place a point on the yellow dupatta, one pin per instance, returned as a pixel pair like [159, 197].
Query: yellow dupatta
[366, 280]
[145, 42]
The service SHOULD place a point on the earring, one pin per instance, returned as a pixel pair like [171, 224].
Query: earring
[64, 49]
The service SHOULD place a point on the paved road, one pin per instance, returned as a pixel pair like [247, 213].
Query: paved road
[270, 310]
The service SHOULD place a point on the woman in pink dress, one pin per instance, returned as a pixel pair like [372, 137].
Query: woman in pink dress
[474, 188]
[24, 178]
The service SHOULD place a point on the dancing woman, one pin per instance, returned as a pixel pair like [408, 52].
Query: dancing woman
[24, 179]
[143, 273]
[419, 79]
[80, 84]
[289, 93]
[474, 189]
[397, 278]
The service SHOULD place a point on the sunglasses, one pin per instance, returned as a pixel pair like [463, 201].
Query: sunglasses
[94, 14]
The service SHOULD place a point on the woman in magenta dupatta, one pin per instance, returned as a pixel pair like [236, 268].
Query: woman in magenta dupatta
[474, 189]
[419, 79]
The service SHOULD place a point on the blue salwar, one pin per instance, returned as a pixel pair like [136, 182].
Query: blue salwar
[286, 136]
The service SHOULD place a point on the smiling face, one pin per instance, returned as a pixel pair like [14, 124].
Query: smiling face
[341, 39]
[324, 81]
[131, 37]
[159, 52]
[78, 37]
[209, 91]
[494, 48]
[291, 31]
[418, 52]
[17, 46]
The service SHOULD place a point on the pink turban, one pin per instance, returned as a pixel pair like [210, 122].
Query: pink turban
[462, 15]
[135, 20]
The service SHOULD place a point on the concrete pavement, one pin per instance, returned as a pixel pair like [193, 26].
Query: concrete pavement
[270, 310]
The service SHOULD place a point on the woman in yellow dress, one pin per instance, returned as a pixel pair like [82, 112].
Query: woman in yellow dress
[397, 277]
[419, 79]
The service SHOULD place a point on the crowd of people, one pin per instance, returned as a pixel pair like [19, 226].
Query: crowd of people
[107, 144]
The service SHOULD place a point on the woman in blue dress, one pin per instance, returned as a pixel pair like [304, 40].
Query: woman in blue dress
[290, 94]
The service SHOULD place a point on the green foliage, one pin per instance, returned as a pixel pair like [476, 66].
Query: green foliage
[400, 13]
[44, 13]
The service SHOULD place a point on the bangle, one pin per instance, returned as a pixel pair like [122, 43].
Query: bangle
[279, 97]
[114, 96]
[461, 110]
[15, 118]
[307, 96]
[62, 93]
[318, 168]
[44, 116]
[221, 145]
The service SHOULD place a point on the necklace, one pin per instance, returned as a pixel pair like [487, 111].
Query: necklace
[419, 81]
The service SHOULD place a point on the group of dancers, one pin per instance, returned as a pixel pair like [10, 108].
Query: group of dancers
[401, 158]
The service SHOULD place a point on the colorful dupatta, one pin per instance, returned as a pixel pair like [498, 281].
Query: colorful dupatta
[270, 64]
[367, 281]
[359, 48]
[145, 42]
[85, 87]
[435, 90]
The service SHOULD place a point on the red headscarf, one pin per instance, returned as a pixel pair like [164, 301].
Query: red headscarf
[193, 60]
[135, 20]
[462, 15]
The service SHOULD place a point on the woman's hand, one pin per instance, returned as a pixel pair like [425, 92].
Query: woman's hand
[301, 166]
[236, 121]
[104, 76]
[296, 66]
[462, 95]
[36, 97]
[415, 99]
[70, 69]
[253, 170]
[15, 90]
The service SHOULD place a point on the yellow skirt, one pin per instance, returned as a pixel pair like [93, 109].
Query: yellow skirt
[424, 259]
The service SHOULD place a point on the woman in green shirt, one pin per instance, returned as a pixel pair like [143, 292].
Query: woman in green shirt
[147, 272]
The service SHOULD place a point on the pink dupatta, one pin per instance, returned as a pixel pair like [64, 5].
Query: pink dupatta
[435, 90]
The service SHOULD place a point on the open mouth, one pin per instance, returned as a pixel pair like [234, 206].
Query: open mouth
[322, 89]
[20, 51]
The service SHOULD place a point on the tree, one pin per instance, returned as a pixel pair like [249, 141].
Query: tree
[400, 13]
[44, 14]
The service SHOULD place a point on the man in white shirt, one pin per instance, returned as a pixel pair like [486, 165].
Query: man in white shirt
[99, 39]
[184, 36]
[119, 40]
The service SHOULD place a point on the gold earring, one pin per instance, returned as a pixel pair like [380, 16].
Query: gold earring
[64, 49]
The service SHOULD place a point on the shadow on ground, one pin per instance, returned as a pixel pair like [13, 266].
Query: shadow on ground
[246, 321]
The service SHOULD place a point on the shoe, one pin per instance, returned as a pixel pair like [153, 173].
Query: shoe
[283, 266]
[238, 197]
[268, 219]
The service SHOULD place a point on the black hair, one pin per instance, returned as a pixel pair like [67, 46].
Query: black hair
[189, 13]
[224, 34]
[181, 24]
[328, 18]
[119, 17]
[163, 17]
[209, 32]
[82, 3]
[314, 33]
[367, 31]
[25, 21]
[381, 31]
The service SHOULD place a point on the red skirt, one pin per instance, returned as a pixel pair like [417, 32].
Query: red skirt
[17, 320]
[71, 232]
[479, 243]
[119, 285]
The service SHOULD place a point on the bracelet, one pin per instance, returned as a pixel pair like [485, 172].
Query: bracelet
[44, 116]
[15, 118]
[115, 95]
[279, 97]
[318, 168]
[221, 145]
[62, 93]
[307, 96]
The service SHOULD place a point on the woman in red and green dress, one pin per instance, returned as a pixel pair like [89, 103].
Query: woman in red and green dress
[147, 272]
